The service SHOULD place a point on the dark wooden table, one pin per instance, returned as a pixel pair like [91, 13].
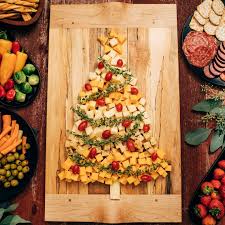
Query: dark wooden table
[195, 161]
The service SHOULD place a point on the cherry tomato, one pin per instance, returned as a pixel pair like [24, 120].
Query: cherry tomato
[154, 156]
[119, 107]
[100, 65]
[106, 134]
[92, 153]
[2, 92]
[126, 123]
[146, 128]
[130, 145]
[108, 76]
[75, 169]
[83, 125]
[100, 101]
[134, 91]
[115, 165]
[119, 63]
[9, 84]
[88, 87]
[10, 94]
[15, 47]
[146, 178]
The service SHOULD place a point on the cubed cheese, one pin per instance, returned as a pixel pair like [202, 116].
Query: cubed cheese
[126, 113]
[82, 170]
[154, 175]
[164, 164]
[110, 113]
[91, 105]
[108, 181]
[114, 60]
[113, 42]
[136, 182]
[160, 170]
[132, 108]
[92, 75]
[61, 175]
[98, 71]
[89, 130]
[153, 141]
[118, 48]
[142, 101]
[123, 180]
[90, 114]
[108, 100]
[133, 161]
[142, 161]
[84, 178]
[112, 54]
[106, 57]
[111, 105]
[147, 145]
[142, 155]
[94, 176]
[118, 114]
[126, 163]
[102, 174]
[99, 157]
[133, 81]
[113, 33]
[98, 114]
[102, 39]
[67, 164]
[107, 49]
[89, 169]
[146, 115]
[141, 108]
[168, 168]
[148, 161]
[131, 179]
[75, 177]
[114, 130]
[147, 121]
[161, 154]
[121, 39]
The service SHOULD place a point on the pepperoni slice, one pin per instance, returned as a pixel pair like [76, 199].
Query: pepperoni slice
[222, 76]
[207, 72]
[213, 71]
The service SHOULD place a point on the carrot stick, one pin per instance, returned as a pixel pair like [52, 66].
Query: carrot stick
[6, 121]
[11, 147]
[5, 131]
[3, 140]
[13, 126]
[24, 142]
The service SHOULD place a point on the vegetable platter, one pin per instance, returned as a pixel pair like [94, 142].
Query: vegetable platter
[18, 154]
[18, 76]
[147, 45]
[204, 41]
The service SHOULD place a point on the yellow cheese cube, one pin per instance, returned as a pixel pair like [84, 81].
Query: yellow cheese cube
[82, 170]
[94, 90]
[75, 177]
[118, 49]
[85, 153]
[123, 180]
[142, 161]
[89, 169]
[94, 83]
[113, 33]
[99, 158]
[121, 39]
[133, 161]
[107, 49]
[84, 178]
[131, 179]
[157, 161]
[101, 180]
[168, 168]
[61, 175]
[135, 154]
[102, 174]
[101, 84]
[148, 161]
[108, 175]
[91, 105]
[67, 164]
[94, 176]
[108, 100]
[161, 154]
[164, 164]
[68, 174]
[103, 40]
[114, 177]
[126, 163]
[160, 170]
[164, 174]
[136, 182]
[154, 175]
[142, 155]
[127, 89]
[105, 162]
[110, 157]
[82, 94]
[109, 181]
[127, 154]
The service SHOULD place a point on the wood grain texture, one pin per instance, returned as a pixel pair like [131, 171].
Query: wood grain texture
[195, 161]
[152, 55]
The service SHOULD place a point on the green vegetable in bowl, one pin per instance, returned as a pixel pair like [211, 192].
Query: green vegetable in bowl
[20, 97]
[33, 79]
[26, 88]
[19, 77]
[29, 69]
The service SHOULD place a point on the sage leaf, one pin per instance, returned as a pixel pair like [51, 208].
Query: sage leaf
[2, 211]
[12, 207]
[207, 105]
[218, 110]
[216, 141]
[13, 220]
[223, 145]
[197, 136]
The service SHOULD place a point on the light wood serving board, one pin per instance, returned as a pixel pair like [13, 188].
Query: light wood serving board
[152, 54]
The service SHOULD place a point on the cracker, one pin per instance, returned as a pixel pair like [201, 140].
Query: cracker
[210, 28]
[220, 32]
[195, 25]
[218, 7]
[199, 18]
[204, 8]
[214, 18]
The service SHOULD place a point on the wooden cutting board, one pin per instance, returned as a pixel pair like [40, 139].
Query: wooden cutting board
[152, 54]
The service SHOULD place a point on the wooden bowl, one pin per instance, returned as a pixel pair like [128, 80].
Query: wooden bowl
[25, 23]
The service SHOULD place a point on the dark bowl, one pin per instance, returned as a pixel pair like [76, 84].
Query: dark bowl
[31, 156]
[196, 196]
[18, 23]
[199, 71]
[35, 89]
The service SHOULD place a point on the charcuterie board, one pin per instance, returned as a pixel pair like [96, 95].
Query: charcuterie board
[152, 54]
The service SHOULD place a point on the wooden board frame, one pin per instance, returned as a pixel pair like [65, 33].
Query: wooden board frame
[152, 42]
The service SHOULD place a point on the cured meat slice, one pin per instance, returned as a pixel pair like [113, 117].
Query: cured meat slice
[207, 72]
[213, 71]
[199, 48]
[222, 76]
[219, 63]
[221, 55]
[220, 69]
[222, 48]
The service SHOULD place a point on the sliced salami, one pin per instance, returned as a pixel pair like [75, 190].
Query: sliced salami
[207, 72]
[219, 63]
[218, 68]
[221, 55]
[221, 48]
[213, 71]
[222, 76]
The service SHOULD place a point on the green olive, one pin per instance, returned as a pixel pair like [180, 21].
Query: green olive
[8, 173]
[22, 157]
[19, 147]
[16, 155]
[14, 183]
[7, 166]
[10, 158]
[1, 156]
[15, 173]
[7, 184]
[2, 178]
[2, 172]
[20, 175]
[13, 166]
[27, 146]
[19, 168]
[3, 161]
[25, 163]
[18, 162]
[10, 178]
[26, 169]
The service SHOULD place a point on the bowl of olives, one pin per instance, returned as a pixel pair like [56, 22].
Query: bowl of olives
[17, 164]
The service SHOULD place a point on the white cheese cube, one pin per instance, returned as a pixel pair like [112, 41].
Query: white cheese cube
[106, 57]
[147, 145]
[141, 108]
[90, 114]
[119, 78]
[92, 75]
[142, 101]
[111, 105]
[112, 54]
[140, 138]
[89, 130]
[126, 113]
[108, 100]
[114, 130]
[147, 121]
[133, 81]
[113, 42]
[98, 71]
[83, 107]
[146, 115]
[132, 108]
[118, 114]
[121, 128]
[110, 113]
[98, 114]
[135, 113]
[78, 123]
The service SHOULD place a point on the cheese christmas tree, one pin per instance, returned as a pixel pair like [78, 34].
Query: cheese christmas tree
[112, 140]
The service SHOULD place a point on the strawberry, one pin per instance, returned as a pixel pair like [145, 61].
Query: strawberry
[218, 174]
[205, 200]
[216, 209]
[215, 195]
[223, 180]
[207, 188]
[222, 191]
[208, 220]
[216, 184]
[200, 211]
[221, 164]
[224, 202]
